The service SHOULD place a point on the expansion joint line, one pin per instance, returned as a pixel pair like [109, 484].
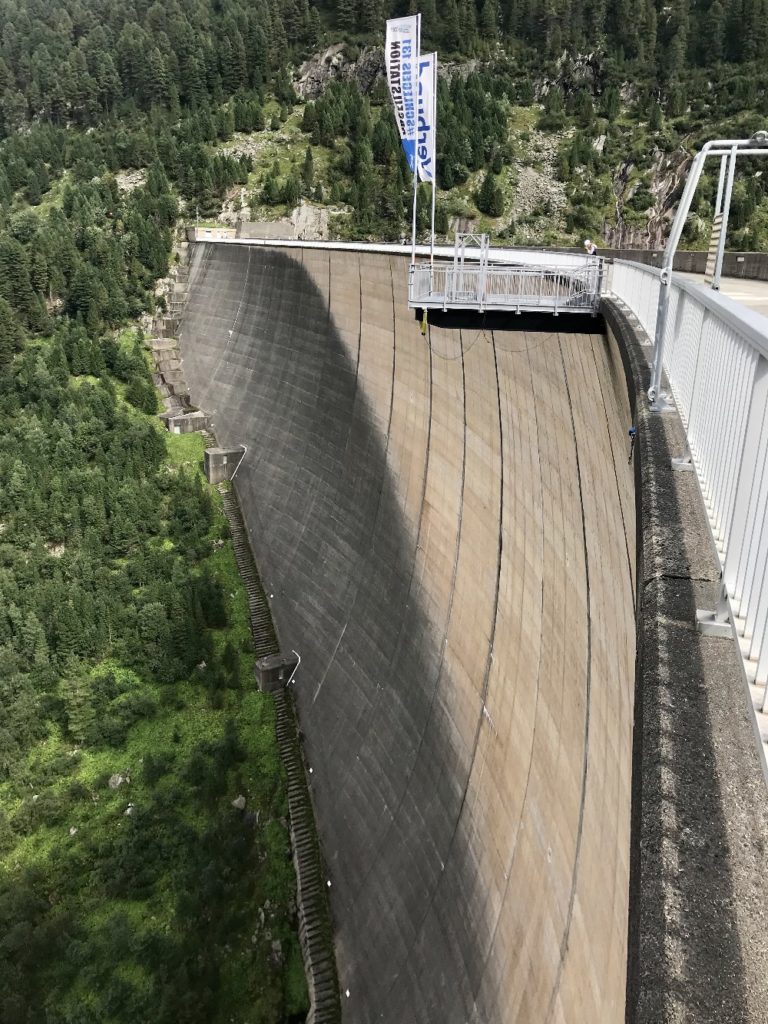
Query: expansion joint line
[233, 329]
[616, 478]
[443, 645]
[410, 589]
[587, 710]
[385, 472]
[360, 312]
[508, 872]
[494, 619]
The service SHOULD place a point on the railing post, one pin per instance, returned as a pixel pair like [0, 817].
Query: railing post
[724, 225]
[758, 143]
[720, 184]
[599, 285]
[654, 392]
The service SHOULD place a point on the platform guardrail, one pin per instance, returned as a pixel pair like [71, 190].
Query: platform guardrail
[550, 289]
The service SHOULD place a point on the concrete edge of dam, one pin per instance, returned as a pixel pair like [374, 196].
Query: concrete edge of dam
[698, 929]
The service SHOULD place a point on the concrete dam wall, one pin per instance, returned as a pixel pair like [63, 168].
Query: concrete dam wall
[446, 528]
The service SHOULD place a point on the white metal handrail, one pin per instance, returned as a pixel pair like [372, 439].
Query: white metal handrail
[716, 361]
[729, 151]
[639, 291]
[547, 288]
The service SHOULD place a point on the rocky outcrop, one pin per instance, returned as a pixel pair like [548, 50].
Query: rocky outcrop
[337, 63]
[537, 198]
[667, 174]
[574, 72]
[307, 221]
[127, 181]
[365, 66]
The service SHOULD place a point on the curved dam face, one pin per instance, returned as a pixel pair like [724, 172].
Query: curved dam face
[445, 526]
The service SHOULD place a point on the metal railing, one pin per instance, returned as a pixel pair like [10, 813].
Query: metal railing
[716, 361]
[729, 150]
[638, 290]
[551, 289]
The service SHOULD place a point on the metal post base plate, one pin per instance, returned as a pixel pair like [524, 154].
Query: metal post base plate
[708, 625]
[662, 404]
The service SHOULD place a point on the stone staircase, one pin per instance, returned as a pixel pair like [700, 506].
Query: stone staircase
[262, 629]
[315, 926]
[179, 414]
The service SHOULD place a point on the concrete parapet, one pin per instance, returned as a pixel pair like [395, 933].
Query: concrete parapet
[698, 948]
[266, 229]
[748, 265]
[202, 234]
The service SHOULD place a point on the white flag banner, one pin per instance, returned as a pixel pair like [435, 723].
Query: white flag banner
[426, 127]
[402, 57]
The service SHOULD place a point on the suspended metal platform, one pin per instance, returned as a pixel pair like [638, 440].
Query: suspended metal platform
[472, 282]
[463, 276]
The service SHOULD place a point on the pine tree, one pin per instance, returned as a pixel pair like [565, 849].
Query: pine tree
[308, 121]
[11, 334]
[370, 16]
[78, 705]
[291, 191]
[489, 21]
[15, 285]
[34, 192]
[451, 34]
[584, 109]
[553, 102]
[611, 103]
[490, 199]
[712, 33]
[347, 15]
[270, 192]
[308, 171]
[239, 71]
[231, 661]
[157, 81]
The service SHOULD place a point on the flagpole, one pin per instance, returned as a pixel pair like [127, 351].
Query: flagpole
[434, 168]
[415, 156]
[413, 225]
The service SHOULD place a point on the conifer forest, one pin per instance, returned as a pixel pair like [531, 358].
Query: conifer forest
[131, 890]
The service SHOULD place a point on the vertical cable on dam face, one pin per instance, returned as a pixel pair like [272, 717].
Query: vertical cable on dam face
[447, 527]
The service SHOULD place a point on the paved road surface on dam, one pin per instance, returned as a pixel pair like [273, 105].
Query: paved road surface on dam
[447, 527]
